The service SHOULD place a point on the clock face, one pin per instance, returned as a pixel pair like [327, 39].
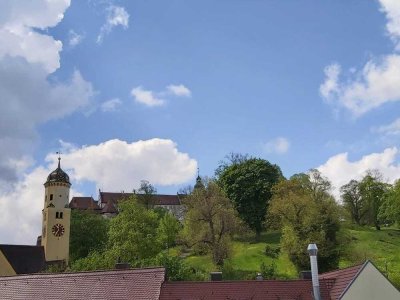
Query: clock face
[58, 230]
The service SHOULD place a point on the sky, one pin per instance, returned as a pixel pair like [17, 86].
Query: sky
[152, 90]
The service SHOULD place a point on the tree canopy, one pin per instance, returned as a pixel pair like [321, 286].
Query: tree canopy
[248, 184]
[307, 213]
[210, 221]
[88, 233]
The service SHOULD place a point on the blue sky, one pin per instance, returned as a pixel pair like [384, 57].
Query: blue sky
[132, 90]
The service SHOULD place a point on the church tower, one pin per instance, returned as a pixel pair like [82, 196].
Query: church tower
[56, 216]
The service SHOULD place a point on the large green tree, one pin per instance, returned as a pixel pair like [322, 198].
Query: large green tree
[88, 233]
[307, 213]
[248, 184]
[390, 208]
[373, 191]
[133, 232]
[353, 202]
[210, 221]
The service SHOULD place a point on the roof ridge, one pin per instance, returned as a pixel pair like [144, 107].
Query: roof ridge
[87, 273]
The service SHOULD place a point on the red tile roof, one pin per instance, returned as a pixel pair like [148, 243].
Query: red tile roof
[105, 197]
[123, 284]
[83, 203]
[241, 290]
[341, 279]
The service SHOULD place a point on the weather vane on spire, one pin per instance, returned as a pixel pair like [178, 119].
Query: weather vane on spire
[59, 157]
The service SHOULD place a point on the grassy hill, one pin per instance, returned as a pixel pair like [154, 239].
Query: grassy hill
[359, 243]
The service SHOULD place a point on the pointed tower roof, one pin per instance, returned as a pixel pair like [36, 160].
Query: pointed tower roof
[58, 175]
[199, 183]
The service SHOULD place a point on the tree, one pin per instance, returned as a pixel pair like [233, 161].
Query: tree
[146, 193]
[390, 208]
[353, 202]
[88, 233]
[248, 184]
[210, 221]
[373, 192]
[307, 214]
[168, 230]
[133, 232]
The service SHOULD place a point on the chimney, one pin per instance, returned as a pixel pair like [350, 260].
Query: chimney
[312, 251]
[216, 276]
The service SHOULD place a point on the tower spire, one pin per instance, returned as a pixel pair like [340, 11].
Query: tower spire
[59, 158]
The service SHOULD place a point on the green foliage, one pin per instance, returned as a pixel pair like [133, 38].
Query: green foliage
[390, 209]
[88, 233]
[133, 232]
[353, 202]
[248, 184]
[268, 271]
[307, 214]
[373, 192]
[272, 250]
[210, 221]
[95, 261]
[176, 268]
[168, 230]
[146, 193]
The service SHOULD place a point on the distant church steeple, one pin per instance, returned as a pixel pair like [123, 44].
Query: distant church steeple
[199, 183]
[56, 216]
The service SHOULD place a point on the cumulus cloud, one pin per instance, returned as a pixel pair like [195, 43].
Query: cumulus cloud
[111, 105]
[18, 37]
[390, 129]
[116, 16]
[146, 97]
[20, 208]
[279, 145]
[118, 165]
[74, 38]
[392, 10]
[150, 98]
[179, 90]
[340, 170]
[27, 98]
[377, 83]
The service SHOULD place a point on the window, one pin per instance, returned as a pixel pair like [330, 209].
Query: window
[59, 215]
[51, 197]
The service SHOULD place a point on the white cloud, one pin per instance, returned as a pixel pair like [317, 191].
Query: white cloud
[179, 90]
[18, 37]
[376, 84]
[390, 129]
[279, 145]
[330, 86]
[27, 98]
[340, 170]
[74, 38]
[111, 105]
[116, 16]
[146, 97]
[114, 165]
[392, 10]
[118, 165]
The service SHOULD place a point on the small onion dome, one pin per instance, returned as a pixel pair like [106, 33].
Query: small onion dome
[199, 183]
[58, 175]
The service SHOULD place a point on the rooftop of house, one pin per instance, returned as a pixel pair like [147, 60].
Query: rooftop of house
[341, 279]
[83, 203]
[157, 199]
[24, 259]
[117, 284]
[243, 290]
